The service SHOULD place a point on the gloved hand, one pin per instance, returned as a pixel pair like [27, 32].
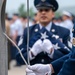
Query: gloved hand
[47, 46]
[36, 49]
[29, 72]
[40, 69]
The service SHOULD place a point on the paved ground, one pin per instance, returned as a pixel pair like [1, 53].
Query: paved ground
[17, 71]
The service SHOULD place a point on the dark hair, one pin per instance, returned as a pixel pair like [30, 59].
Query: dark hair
[24, 17]
[16, 14]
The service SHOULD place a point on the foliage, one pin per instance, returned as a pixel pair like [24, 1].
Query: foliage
[23, 12]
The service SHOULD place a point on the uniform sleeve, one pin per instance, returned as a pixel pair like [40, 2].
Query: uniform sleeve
[68, 67]
[23, 47]
[66, 38]
[57, 64]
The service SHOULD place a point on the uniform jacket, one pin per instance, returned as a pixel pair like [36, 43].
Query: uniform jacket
[43, 58]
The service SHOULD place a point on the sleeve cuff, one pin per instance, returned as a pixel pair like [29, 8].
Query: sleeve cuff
[31, 56]
[51, 55]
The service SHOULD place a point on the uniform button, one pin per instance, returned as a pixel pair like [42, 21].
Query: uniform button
[42, 60]
[36, 30]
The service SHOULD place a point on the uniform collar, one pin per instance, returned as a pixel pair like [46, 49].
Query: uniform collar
[48, 27]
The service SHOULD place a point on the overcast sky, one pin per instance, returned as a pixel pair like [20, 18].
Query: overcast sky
[12, 5]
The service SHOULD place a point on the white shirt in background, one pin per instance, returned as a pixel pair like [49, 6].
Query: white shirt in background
[69, 25]
[30, 24]
[16, 26]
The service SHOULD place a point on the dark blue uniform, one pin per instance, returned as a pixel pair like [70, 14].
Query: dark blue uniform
[66, 64]
[43, 57]
[57, 30]
[68, 67]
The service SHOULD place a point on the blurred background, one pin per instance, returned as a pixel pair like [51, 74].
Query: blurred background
[14, 6]
[16, 10]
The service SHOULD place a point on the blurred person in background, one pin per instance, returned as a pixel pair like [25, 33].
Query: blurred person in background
[33, 21]
[16, 31]
[67, 22]
[73, 18]
[17, 28]
[7, 24]
[7, 27]
[23, 20]
[30, 22]
[36, 18]
[57, 20]
[10, 20]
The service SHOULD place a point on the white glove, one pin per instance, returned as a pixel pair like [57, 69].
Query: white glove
[29, 72]
[36, 49]
[47, 46]
[40, 69]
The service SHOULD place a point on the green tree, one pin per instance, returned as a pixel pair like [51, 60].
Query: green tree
[31, 12]
[22, 11]
[57, 14]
